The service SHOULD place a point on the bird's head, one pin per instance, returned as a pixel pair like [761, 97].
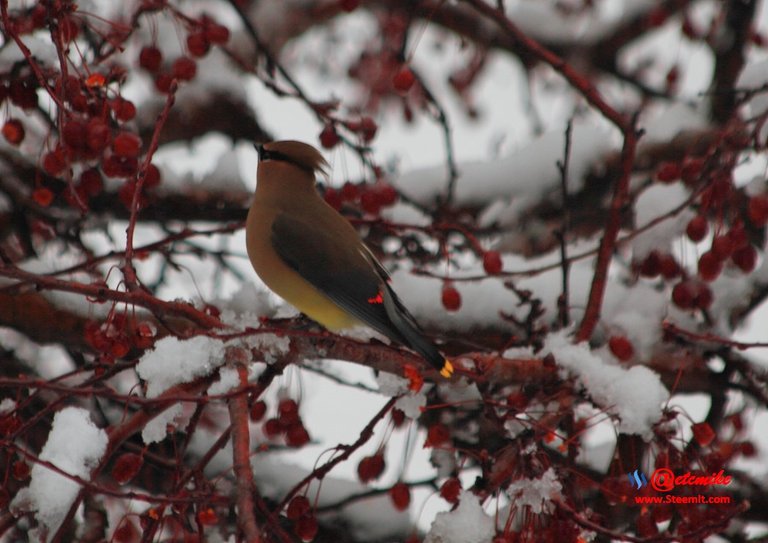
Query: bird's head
[296, 153]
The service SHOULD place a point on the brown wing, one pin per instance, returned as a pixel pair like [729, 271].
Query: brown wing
[342, 273]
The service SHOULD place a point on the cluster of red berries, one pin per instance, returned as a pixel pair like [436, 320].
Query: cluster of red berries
[300, 511]
[287, 423]
[734, 246]
[371, 198]
[365, 128]
[201, 37]
[114, 338]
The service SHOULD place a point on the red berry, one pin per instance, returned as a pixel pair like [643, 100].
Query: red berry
[403, 80]
[73, 134]
[272, 428]
[437, 434]
[692, 168]
[163, 83]
[745, 258]
[116, 166]
[306, 528]
[621, 348]
[216, 33]
[450, 297]
[126, 467]
[91, 182]
[350, 192]
[23, 93]
[288, 411]
[258, 410]
[722, 247]
[20, 470]
[398, 417]
[333, 198]
[184, 68]
[126, 144]
[651, 266]
[668, 266]
[669, 172]
[703, 433]
[126, 532]
[42, 196]
[349, 5]
[684, 295]
[697, 228]
[69, 29]
[97, 135]
[296, 435]
[738, 236]
[710, 266]
[370, 202]
[492, 262]
[54, 162]
[207, 517]
[13, 131]
[703, 296]
[198, 44]
[387, 194]
[368, 129]
[450, 490]
[297, 507]
[328, 137]
[152, 176]
[370, 467]
[400, 494]
[757, 209]
[150, 58]
[124, 109]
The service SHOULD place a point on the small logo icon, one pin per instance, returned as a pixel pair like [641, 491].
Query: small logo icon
[663, 480]
[637, 478]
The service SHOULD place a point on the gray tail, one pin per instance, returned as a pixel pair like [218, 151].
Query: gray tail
[411, 334]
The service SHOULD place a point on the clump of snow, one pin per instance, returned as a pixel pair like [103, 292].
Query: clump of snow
[174, 361]
[526, 174]
[75, 445]
[7, 405]
[247, 304]
[228, 379]
[656, 201]
[412, 403]
[225, 176]
[156, 429]
[538, 494]
[636, 394]
[468, 523]
[460, 392]
[270, 345]
[391, 384]
[755, 76]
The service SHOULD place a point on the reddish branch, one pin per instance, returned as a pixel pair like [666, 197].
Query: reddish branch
[241, 458]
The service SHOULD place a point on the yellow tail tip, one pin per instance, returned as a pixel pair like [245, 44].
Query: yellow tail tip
[447, 370]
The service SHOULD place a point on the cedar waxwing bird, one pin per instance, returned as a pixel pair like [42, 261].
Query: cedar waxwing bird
[313, 258]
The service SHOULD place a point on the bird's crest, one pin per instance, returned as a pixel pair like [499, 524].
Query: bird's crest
[300, 154]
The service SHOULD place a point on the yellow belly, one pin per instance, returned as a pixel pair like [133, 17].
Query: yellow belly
[284, 281]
